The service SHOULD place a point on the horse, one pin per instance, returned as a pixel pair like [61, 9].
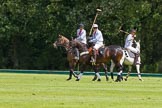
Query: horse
[112, 52]
[84, 59]
[64, 42]
[128, 60]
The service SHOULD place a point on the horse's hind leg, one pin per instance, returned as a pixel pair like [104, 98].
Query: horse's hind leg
[111, 69]
[119, 74]
[129, 70]
[106, 73]
[120, 68]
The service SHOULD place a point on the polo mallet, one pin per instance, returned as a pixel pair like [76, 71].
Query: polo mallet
[120, 30]
[97, 12]
[124, 31]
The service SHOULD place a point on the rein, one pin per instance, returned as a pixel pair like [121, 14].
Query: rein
[82, 49]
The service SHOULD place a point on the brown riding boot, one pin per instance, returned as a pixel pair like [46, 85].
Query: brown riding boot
[93, 57]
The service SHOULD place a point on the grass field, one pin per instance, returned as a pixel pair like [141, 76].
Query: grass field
[53, 91]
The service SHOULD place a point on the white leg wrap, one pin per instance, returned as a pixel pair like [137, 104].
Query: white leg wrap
[80, 75]
[119, 73]
[98, 75]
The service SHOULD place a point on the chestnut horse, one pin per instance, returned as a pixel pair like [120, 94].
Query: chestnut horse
[83, 61]
[64, 42]
[112, 52]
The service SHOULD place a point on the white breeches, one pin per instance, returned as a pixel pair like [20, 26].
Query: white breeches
[97, 46]
[133, 49]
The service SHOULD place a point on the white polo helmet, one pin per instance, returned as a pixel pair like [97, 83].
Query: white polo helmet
[95, 25]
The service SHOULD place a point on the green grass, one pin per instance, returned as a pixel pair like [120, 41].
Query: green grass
[53, 91]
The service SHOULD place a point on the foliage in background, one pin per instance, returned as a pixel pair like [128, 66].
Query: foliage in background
[28, 28]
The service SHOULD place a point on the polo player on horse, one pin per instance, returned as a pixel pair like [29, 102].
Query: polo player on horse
[129, 45]
[97, 40]
[81, 37]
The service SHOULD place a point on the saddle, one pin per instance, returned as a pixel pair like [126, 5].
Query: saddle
[129, 53]
[99, 52]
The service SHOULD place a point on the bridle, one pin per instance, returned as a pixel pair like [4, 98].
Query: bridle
[64, 44]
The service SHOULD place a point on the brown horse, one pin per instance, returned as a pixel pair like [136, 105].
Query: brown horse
[83, 61]
[64, 42]
[109, 53]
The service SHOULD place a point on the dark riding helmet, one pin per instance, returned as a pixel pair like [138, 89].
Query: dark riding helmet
[133, 31]
[81, 25]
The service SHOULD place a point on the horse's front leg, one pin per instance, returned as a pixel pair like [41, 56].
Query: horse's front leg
[138, 71]
[95, 77]
[79, 76]
[72, 65]
[82, 68]
[96, 69]
[70, 74]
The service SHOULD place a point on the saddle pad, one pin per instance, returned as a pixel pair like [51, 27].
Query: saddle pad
[129, 53]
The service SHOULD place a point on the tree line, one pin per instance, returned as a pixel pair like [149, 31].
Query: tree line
[28, 28]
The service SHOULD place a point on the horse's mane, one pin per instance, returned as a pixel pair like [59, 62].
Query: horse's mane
[63, 37]
[79, 45]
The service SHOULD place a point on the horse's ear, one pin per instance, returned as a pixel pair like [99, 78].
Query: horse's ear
[60, 36]
[72, 38]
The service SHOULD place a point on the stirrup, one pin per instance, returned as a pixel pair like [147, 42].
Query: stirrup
[76, 58]
[93, 61]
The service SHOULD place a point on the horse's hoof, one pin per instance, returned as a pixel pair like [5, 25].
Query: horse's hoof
[112, 79]
[77, 79]
[141, 79]
[122, 78]
[107, 79]
[76, 76]
[99, 80]
[68, 79]
[125, 79]
[117, 80]
[93, 79]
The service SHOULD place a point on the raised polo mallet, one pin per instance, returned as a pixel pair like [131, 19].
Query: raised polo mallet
[97, 12]
[122, 30]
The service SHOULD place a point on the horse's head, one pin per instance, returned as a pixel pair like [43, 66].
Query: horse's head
[61, 41]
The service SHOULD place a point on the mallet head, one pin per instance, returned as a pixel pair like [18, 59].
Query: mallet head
[98, 10]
